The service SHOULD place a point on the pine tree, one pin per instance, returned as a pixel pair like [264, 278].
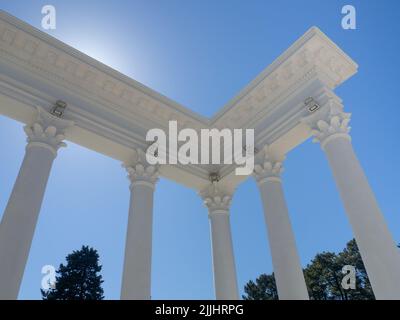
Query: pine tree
[351, 256]
[79, 279]
[263, 289]
[323, 277]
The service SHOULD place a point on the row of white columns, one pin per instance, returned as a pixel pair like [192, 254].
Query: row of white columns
[330, 128]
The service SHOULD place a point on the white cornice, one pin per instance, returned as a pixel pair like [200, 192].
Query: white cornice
[60, 62]
[314, 50]
[112, 112]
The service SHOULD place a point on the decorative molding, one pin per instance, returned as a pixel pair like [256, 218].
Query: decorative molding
[268, 167]
[313, 52]
[62, 64]
[47, 131]
[216, 198]
[329, 122]
[114, 110]
[59, 62]
[140, 172]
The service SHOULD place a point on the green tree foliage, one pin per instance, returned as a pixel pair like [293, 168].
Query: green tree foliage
[79, 279]
[351, 256]
[323, 277]
[263, 289]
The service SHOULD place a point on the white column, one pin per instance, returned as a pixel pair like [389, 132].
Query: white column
[225, 281]
[21, 214]
[288, 272]
[136, 280]
[377, 247]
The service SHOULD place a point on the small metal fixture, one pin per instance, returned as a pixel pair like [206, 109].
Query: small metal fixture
[58, 108]
[214, 177]
[312, 105]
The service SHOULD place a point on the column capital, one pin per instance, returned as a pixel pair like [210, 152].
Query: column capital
[268, 166]
[329, 122]
[140, 172]
[47, 131]
[216, 198]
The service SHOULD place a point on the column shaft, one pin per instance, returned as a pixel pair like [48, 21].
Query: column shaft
[225, 281]
[288, 273]
[45, 137]
[20, 217]
[376, 245]
[217, 198]
[136, 279]
[136, 282]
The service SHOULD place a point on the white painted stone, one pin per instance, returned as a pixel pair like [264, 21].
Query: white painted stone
[288, 272]
[136, 281]
[225, 281]
[113, 112]
[112, 115]
[377, 247]
[19, 220]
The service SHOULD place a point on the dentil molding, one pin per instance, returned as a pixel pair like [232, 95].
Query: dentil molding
[112, 112]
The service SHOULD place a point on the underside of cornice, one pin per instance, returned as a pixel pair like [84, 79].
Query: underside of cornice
[113, 112]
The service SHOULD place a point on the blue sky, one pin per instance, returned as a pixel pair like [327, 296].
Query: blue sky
[201, 53]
